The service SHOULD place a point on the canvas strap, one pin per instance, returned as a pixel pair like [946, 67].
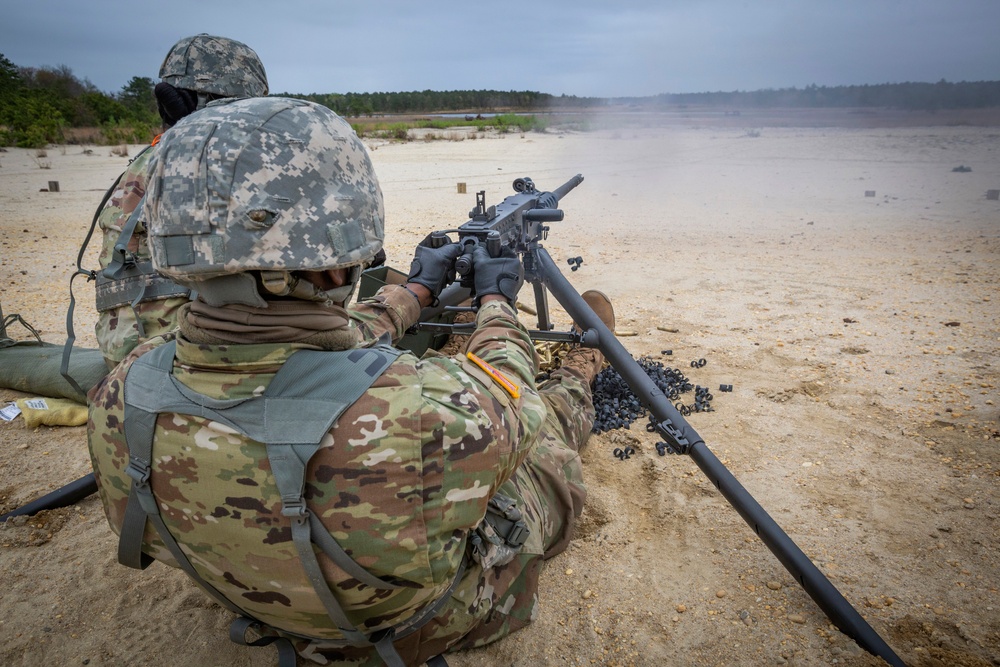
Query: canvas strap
[301, 403]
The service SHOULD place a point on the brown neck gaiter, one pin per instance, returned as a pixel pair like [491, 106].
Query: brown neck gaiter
[281, 322]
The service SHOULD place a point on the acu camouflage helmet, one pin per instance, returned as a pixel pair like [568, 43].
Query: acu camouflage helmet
[267, 185]
[215, 66]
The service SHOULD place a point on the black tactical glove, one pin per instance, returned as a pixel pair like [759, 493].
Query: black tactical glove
[434, 267]
[502, 275]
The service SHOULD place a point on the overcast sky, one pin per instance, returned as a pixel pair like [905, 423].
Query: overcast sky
[574, 47]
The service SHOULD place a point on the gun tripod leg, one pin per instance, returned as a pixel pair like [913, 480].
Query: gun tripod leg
[819, 588]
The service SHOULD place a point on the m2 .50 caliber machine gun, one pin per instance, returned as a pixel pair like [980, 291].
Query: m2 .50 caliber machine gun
[519, 222]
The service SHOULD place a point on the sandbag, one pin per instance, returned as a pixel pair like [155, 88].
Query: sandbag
[33, 367]
[48, 411]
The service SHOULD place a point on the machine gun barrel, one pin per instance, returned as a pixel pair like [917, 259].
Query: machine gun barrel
[564, 189]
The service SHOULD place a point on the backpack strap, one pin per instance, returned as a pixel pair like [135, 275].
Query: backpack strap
[307, 395]
[238, 635]
[296, 410]
[80, 271]
[289, 459]
[141, 505]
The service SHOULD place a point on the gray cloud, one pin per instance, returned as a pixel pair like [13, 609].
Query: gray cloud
[582, 47]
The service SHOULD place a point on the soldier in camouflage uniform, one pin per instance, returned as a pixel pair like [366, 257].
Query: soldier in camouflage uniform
[268, 208]
[134, 303]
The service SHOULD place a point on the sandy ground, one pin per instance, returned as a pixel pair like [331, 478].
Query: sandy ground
[860, 334]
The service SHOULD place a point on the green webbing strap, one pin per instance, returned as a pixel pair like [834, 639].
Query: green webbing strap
[141, 505]
[80, 271]
[324, 540]
[71, 334]
[238, 635]
[5, 340]
[307, 556]
[138, 508]
[121, 258]
[430, 611]
[91, 275]
[288, 460]
[122, 261]
[386, 650]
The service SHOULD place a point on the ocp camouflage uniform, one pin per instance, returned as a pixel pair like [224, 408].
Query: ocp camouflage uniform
[117, 330]
[401, 479]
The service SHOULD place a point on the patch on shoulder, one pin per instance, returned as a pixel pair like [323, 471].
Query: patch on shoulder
[498, 377]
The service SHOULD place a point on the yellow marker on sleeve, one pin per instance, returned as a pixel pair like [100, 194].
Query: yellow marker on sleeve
[502, 380]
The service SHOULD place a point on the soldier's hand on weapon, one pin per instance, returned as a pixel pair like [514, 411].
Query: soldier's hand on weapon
[502, 275]
[433, 265]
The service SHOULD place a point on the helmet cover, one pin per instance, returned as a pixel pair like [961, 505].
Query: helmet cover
[216, 66]
[261, 184]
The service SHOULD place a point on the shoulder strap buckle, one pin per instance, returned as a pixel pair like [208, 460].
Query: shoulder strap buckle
[138, 470]
[294, 508]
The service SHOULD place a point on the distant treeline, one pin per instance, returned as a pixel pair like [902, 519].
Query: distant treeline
[39, 106]
[908, 96]
[426, 101]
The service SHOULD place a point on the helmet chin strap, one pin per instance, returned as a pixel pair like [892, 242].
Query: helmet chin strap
[286, 283]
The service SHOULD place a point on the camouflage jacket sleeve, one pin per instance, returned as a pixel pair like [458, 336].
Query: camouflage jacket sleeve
[503, 342]
[501, 357]
[126, 196]
[504, 364]
[499, 339]
[392, 310]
